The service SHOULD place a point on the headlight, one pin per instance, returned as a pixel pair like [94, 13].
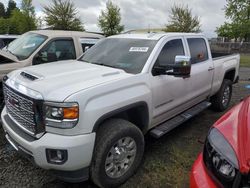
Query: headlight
[220, 157]
[61, 115]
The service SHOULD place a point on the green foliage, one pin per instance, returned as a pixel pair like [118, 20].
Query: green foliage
[238, 11]
[2, 10]
[229, 30]
[62, 15]
[20, 21]
[182, 20]
[28, 8]
[28, 11]
[11, 6]
[245, 60]
[110, 19]
[4, 23]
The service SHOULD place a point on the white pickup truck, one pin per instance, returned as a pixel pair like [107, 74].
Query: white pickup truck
[86, 118]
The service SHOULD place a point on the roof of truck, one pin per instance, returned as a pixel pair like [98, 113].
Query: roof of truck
[154, 36]
[9, 36]
[62, 33]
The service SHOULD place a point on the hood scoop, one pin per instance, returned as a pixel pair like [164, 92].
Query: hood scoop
[28, 76]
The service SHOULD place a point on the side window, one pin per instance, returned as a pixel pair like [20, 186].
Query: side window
[1, 43]
[198, 50]
[87, 43]
[169, 51]
[7, 41]
[86, 46]
[57, 50]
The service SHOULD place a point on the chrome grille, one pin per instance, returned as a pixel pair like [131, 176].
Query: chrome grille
[20, 109]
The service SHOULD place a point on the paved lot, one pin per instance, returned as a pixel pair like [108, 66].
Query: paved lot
[167, 161]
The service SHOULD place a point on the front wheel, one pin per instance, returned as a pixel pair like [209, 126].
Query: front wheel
[221, 100]
[118, 153]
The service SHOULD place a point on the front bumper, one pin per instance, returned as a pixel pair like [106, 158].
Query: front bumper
[79, 148]
[199, 176]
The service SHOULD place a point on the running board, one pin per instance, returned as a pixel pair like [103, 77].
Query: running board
[167, 126]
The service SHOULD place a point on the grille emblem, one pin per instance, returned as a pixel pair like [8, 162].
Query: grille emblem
[14, 102]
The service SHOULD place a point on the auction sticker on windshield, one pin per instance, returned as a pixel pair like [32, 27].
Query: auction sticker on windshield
[138, 49]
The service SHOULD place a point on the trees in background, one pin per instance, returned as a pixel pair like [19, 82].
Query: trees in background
[62, 15]
[238, 12]
[11, 6]
[15, 20]
[110, 20]
[182, 20]
[2, 10]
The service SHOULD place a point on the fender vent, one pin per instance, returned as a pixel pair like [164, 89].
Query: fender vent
[28, 76]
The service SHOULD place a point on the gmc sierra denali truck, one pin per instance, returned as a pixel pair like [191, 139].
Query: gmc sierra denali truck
[44, 46]
[86, 118]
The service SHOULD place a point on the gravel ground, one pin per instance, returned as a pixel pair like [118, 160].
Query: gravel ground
[167, 160]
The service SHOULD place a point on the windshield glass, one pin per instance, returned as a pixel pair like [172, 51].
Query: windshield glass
[25, 45]
[127, 54]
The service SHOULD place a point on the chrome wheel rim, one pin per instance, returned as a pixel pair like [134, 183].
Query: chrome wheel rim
[226, 96]
[120, 157]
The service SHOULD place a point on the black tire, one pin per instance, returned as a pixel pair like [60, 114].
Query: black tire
[217, 99]
[107, 136]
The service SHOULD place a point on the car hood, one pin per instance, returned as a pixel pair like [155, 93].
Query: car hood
[56, 81]
[235, 126]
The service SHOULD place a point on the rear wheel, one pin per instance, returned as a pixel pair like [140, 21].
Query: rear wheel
[118, 152]
[221, 100]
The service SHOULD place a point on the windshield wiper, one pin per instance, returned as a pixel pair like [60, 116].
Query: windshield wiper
[102, 64]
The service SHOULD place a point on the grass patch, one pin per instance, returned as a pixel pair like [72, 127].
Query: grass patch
[245, 60]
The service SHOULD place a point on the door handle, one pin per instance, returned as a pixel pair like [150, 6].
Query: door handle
[210, 68]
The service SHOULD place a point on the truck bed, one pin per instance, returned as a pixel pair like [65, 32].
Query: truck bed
[219, 55]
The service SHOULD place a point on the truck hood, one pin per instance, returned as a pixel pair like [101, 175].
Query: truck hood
[56, 81]
[235, 126]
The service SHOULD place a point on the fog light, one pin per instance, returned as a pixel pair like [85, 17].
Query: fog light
[56, 156]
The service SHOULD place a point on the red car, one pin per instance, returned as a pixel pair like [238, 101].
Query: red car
[225, 161]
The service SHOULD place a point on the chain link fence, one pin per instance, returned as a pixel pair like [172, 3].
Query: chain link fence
[231, 47]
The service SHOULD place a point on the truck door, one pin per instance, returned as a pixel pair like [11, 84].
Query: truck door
[56, 50]
[201, 71]
[169, 93]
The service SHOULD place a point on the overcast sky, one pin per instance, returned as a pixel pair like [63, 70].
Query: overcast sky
[137, 14]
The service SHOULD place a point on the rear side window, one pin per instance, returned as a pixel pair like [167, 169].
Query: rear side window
[198, 50]
[169, 51]
[87, 43]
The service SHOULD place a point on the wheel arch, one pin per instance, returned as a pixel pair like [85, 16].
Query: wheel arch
[136, 113]
[230, 74]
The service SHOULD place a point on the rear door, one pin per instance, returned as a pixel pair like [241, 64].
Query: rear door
[202, 69]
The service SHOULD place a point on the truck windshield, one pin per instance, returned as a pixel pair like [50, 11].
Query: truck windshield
[25, 45]
[129, 55]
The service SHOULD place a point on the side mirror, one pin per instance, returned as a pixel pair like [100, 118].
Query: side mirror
[181, 66]
[39, 58]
